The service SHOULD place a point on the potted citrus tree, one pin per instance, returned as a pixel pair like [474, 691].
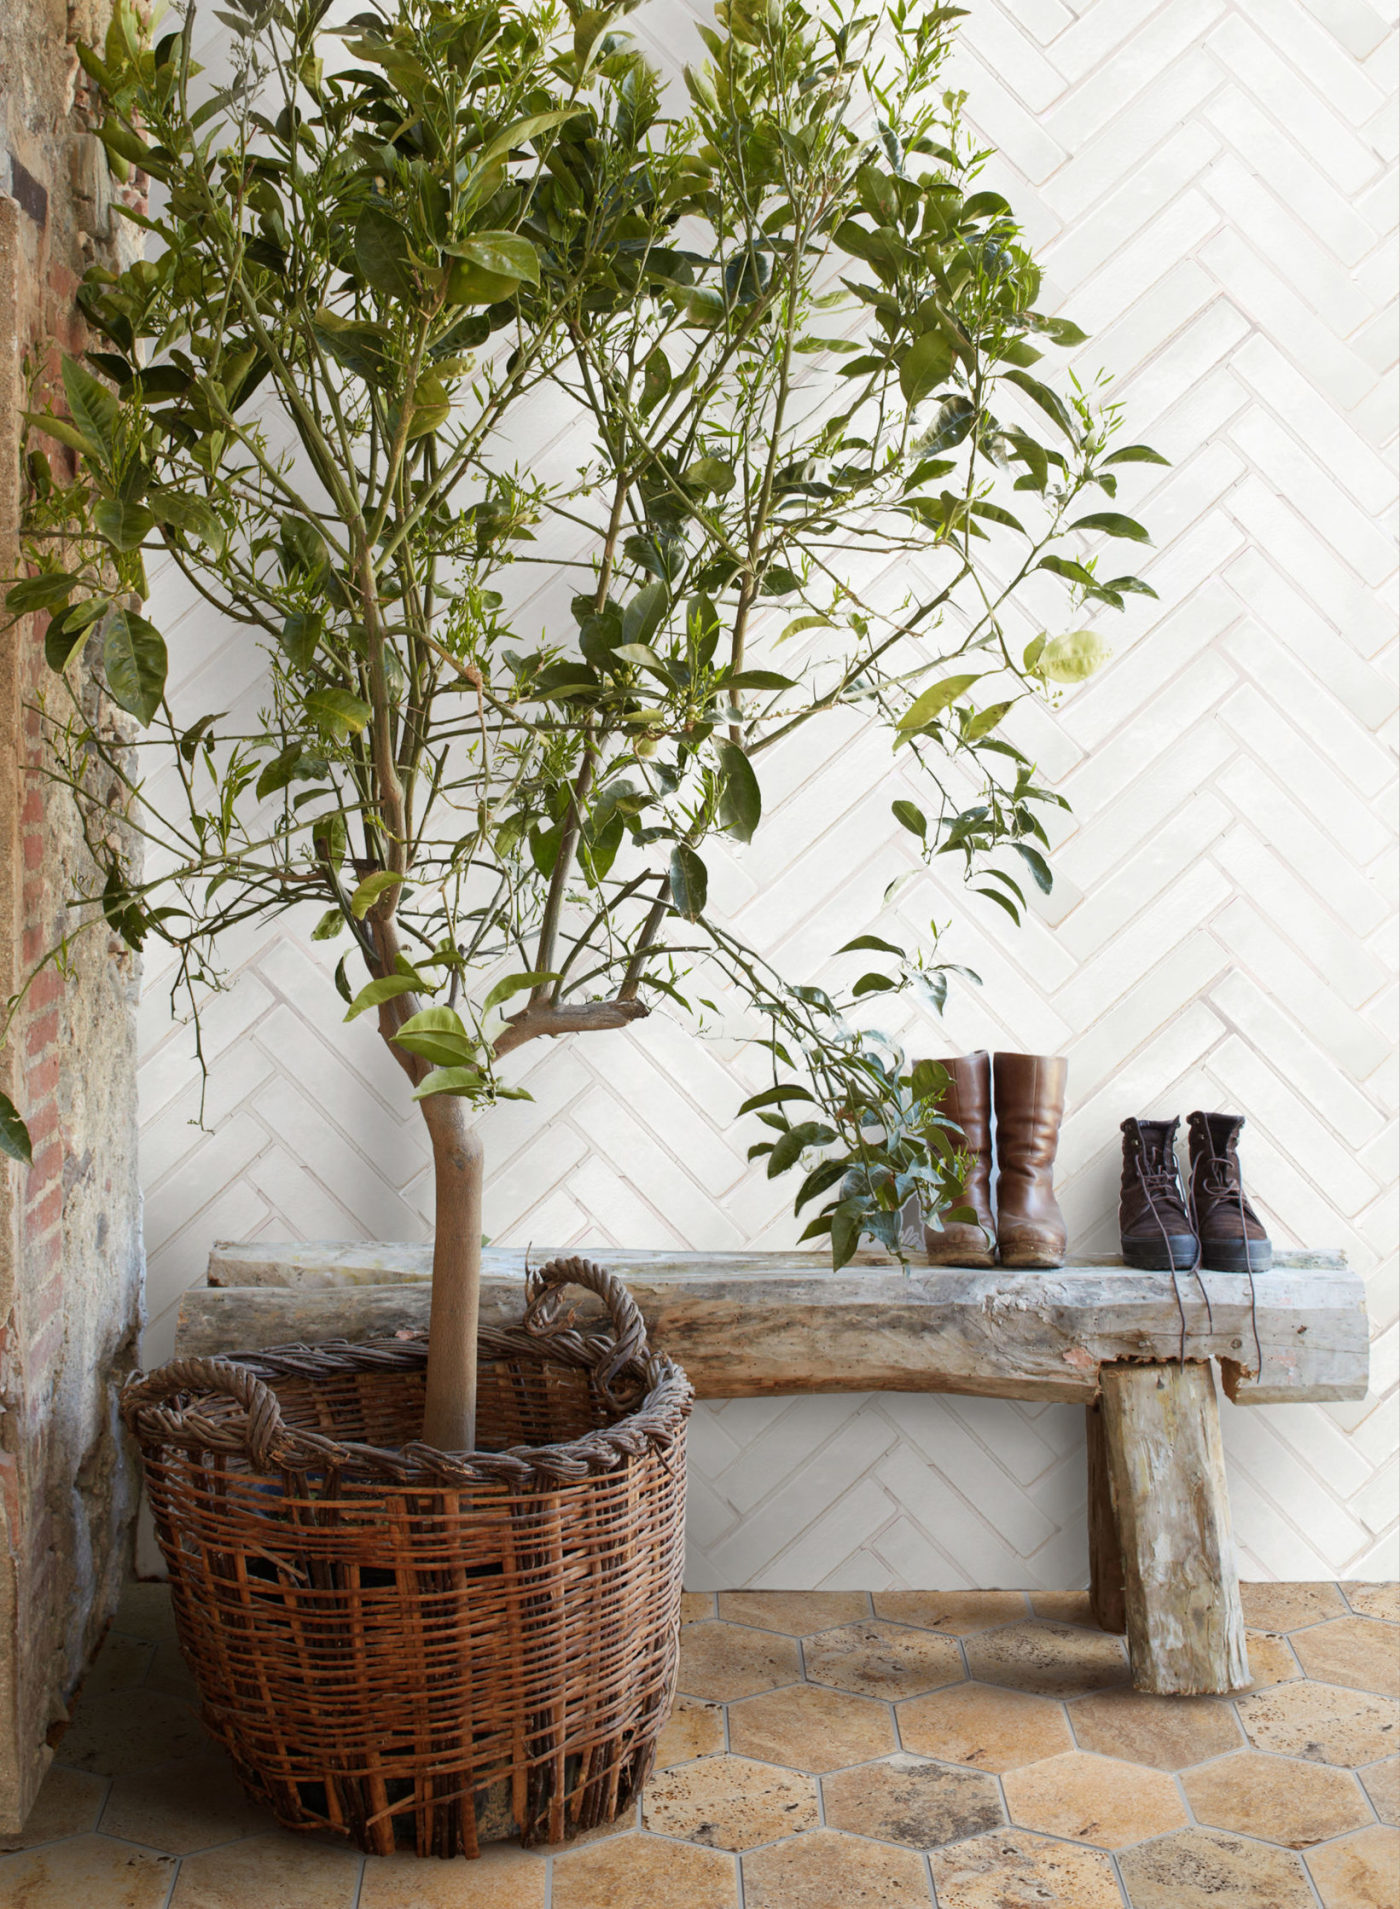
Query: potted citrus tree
[790, 343]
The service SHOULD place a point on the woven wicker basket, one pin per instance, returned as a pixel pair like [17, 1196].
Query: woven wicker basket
[416, 1649]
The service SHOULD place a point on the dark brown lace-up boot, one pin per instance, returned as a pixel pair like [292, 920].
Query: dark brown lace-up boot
[969, 1102]
[1153, 1222]
[1232, 1236]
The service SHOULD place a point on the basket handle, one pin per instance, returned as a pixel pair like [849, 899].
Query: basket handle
[629, 1328]
[262, 1413]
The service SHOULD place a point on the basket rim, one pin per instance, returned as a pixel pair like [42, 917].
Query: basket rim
[170, 1405]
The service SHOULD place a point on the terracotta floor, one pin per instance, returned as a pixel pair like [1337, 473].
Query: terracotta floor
[974, 1750]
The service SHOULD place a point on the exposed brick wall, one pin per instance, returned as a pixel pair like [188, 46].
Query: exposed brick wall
[70, 1237]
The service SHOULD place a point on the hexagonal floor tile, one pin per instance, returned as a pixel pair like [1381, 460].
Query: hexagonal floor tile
[1287, 1607]
[1382, 1784]
[910, 1800]
[1360, 1872]
[1208, 1869]
[186, 1807]
[1096, 1800]
[1374, 1600]
[986, 1725]
[1051, 1660]
[295, 1872]
[826, 1870]
[88, 1870]
[694, 1729]
[643, 1872]
[883, 1660]
[101, 1738]
[727, 1802]
[1271, 1661]
[503, 1876]
[796, 1613]
[958, 1613]
[1169, 1733]
[1326, 1723]
[1013, 1869]
[1274, 1797]
[1360, 1651]
[68, 1801]
[725, 1661]
[810, 1728]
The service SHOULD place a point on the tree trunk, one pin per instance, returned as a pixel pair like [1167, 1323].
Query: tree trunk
[449, 1417]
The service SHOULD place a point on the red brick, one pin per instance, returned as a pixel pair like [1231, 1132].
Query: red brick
[42, 1033]
[47, 1211]
[41, 1079]
[46, 1165]
[47, 988]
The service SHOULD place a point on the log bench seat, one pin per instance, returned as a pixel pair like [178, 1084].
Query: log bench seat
[1094, 1333]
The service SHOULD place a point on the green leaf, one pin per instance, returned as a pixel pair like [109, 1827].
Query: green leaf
[910, 816]
[925, 365]
[874, 984]
[431, 408]
[40, 593]
[1072, 657]
[14, 1135]
[933, 702]
[1134, 585]
[67, 630]
[870, 944]
[643, 615]
[436, 1034]
[384, 988]
[689, 882]
[63, 431]
[135, 663]
[741, 805]
[1113, 524]
[189, 515]
[1050, 402]
[954, 421]
[709, 474]
[985, 721]
[1069, 569]
[846, 1225]
[337, 713]
[1137, 454]
[466, 1081]
[381, 252]
[301, 637]
[1032, 652]
[516, 984]
[93, 409]
[1037, 864]
[791, 1145]
[505, 253]
[519, 131]
[773, 1096]
[125, 526]
[329, 926]
[354, 344]
[370, 889]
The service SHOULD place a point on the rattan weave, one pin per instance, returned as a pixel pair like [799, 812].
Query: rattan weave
[422, 1649]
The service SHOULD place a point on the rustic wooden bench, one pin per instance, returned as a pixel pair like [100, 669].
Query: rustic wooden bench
[1161, 1557]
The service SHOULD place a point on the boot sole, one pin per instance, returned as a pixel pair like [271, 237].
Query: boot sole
[974, 1262]
[1257, 1257]
[1029, 1260]
[1151, 1256]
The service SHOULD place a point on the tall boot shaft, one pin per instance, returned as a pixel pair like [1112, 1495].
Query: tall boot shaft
[968, 1101]
[1029, 1092]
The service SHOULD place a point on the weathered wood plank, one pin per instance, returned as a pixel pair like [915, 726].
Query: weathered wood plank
[1166, 1468]
[749, 1325]
[1105, 1545]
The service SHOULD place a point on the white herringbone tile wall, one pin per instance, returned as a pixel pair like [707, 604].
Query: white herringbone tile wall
[1211, 188]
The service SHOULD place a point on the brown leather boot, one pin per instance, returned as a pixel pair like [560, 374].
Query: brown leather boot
[1153, 1223]
[1030, 1104]
[969, 1102]
[1232, 1236]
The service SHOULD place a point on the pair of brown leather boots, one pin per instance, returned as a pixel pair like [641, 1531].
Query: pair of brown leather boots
[1027, 1092]
[1209, 1222]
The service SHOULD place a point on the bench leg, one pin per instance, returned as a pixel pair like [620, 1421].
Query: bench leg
[1166, 1470]
[1105, 1546]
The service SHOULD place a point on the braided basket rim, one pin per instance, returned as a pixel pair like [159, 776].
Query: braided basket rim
[652, 1423]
